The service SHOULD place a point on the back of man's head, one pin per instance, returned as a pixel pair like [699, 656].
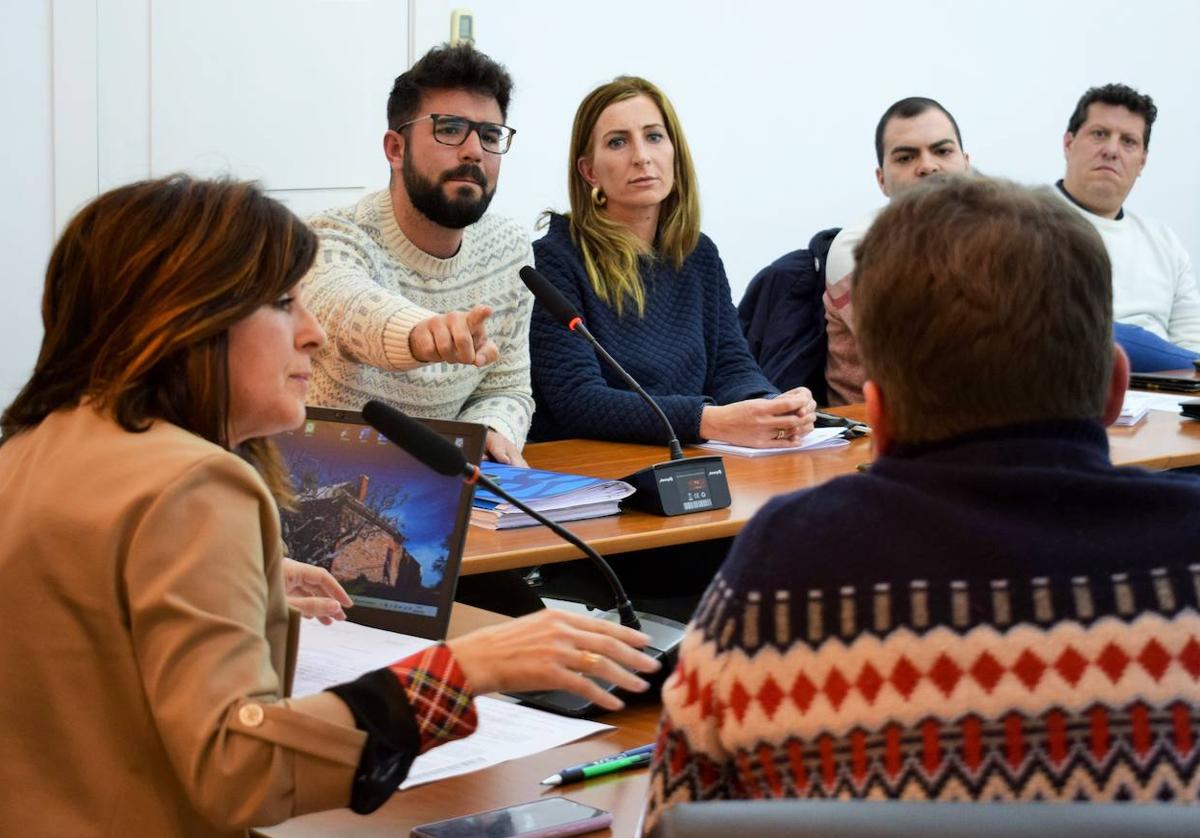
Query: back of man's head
[981, 303]
[459, 67]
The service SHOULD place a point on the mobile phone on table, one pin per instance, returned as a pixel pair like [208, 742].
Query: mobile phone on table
[549, 817]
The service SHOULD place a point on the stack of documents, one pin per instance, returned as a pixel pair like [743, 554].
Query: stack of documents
[1134, 410]
[814, 440]
[558, 496]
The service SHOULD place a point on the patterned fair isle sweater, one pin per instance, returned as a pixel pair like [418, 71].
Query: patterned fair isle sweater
[1004, 616]
[370, 285]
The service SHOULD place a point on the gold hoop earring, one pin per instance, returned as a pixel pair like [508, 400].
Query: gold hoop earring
[598, 197]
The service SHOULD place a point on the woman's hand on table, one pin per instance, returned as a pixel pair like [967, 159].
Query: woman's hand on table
[761, 423]
[555, 650]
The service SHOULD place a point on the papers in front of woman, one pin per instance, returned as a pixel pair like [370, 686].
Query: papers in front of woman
[340, 652]
[815, 440]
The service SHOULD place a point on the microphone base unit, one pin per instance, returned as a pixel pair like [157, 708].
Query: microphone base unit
[678, 487]
[665, 636]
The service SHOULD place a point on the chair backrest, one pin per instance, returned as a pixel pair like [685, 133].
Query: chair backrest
[894, 819]
[783, 317]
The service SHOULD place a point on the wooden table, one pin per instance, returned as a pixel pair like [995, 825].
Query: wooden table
[1161, 441]
[506, 784]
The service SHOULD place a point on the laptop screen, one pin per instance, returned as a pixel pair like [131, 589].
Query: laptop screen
[388, 528]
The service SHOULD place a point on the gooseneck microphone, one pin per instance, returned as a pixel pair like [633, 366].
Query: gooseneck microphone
[562, 311]
[444, 458]
[676, 487]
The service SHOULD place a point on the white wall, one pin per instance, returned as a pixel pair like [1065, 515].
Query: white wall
[780, 99]
[26, 185]
[102, 92]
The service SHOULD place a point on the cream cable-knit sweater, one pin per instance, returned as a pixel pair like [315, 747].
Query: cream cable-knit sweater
[370, 285]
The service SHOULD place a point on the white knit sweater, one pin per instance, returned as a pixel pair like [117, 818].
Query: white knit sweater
[1153, 284]
[370, 285]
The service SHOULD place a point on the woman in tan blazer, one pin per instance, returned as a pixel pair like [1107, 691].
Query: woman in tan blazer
[142, 653]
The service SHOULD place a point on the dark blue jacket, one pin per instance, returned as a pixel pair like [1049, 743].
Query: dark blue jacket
[783, 318]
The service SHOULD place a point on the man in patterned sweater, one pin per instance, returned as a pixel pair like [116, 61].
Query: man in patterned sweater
[417, 289]
[993, 611]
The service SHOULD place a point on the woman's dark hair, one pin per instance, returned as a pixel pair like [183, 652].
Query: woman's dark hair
[141, 290]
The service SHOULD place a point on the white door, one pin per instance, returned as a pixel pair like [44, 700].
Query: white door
[292, 93]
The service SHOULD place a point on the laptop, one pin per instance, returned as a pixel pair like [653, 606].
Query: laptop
[1164, 381]
[387, 527]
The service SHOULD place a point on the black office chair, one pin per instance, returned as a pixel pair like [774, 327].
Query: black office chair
[893, 819]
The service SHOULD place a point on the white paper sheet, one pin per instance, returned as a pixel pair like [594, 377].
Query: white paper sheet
[341, 652]
[506, 731]
[1168, 402]
[1134, 409]
[814, 440]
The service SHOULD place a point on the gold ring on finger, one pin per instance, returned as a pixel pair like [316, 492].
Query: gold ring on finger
[591, 661]
[781, 433]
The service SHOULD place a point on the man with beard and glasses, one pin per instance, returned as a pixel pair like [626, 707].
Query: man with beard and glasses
[915, 138]
[416, 287]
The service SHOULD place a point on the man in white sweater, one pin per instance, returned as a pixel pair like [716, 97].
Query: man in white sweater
[416, 287]
[1154, 289]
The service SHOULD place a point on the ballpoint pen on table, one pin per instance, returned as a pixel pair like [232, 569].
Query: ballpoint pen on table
[633, 758]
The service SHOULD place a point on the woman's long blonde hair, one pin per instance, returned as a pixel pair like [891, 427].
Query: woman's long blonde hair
[610, 250]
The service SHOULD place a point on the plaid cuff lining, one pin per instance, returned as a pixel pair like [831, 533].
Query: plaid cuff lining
[439, 695]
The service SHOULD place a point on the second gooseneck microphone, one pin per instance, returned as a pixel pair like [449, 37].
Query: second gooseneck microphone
[562, 311]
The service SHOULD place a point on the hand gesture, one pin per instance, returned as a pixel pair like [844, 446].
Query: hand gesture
[501, 449]
[457, 337]
[761, 423]
[554, 650]
[314, 592]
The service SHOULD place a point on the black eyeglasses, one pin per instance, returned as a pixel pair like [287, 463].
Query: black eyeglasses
[453, 130]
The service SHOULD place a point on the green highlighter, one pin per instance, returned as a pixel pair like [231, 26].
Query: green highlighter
[624, 761]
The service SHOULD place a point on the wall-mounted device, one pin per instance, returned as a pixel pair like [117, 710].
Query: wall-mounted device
[462, 27]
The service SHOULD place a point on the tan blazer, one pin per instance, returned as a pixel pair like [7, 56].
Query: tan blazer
[143, 642]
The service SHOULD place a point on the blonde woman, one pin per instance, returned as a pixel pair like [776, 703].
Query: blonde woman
[651, 287]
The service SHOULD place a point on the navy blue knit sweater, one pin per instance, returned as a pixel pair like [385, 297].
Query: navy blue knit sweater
[1000, 616]
[686, 351]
